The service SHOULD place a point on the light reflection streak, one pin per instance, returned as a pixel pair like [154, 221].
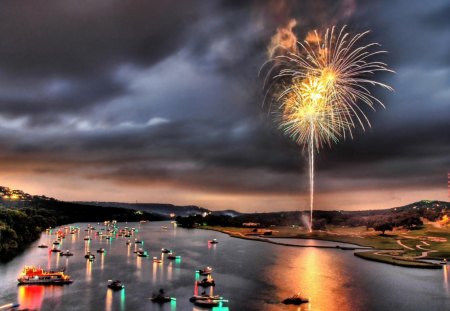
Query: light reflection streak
[57, 259]
[88, 270]
[138, 262]
[102, 261]
[169, 271]
[318, 275]
[108, 300]
[31, 297]
[446, 285]
[122, 300]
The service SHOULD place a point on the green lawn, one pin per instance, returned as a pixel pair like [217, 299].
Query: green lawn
[369, 238]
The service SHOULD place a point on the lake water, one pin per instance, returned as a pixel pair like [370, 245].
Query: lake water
[251, 275]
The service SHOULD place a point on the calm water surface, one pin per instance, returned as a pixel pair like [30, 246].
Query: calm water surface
[251, 275]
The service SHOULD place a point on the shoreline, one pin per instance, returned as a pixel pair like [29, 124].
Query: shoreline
[372, 255]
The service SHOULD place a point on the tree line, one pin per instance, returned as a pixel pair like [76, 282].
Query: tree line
[20, 226]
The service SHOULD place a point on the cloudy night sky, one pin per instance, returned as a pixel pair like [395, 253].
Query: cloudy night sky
[160, 101]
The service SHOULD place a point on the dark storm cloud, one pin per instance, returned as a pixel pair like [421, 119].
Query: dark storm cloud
[147, 92]
[73, 37]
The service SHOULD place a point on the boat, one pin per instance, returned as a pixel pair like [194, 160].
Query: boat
[66, 253]
[89, 255]
[204, 297]
[115, 285]
[165, 251]
[157, 260]
[206, 282]
[205, 271]
[164, 228]
[142, 254]
[161, 298]
[43, 246]
[143, 221]
[87, 238]
[56, 243]
[172, 256]
[443, 261]
[101, 250]
[55, 250]
[10, 306]
[128, 242]
[137, 241]
[213, 241]
[295, 300]
[34, 275]
[207, 303]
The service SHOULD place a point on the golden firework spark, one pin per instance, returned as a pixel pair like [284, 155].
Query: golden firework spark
[328, 80]
[343, 70]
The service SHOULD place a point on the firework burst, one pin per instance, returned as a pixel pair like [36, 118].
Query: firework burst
[320, 88]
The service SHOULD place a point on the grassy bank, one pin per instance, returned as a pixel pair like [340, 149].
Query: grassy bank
[357, 236]
[401, 247]
[396, 261]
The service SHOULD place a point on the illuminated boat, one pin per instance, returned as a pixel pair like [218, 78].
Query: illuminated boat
[43, 246]
[115, 285]
[213, 241]
[164, 228]
[205, 271]
[165, 251]
[295, 300]
[101, 250]
[66, 253]
[205, 297]
[137, 241]
[443, 261]
[89, 256]
[10, 306]
[128, 242]
[33, 275]
[172, 256]
[87, 238]
[206, 282]
[55, 250]
[157, 260]
[56, 243]
[142, 253]
[161, 298]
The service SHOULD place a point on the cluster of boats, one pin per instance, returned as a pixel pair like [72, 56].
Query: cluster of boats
[37, 275]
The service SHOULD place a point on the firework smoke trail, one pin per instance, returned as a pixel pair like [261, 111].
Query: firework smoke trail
[319, 88]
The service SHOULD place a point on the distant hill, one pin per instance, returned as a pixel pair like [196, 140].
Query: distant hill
[409, 216]
[162, 209]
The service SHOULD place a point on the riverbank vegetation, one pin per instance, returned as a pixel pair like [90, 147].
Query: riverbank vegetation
[21, 224]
